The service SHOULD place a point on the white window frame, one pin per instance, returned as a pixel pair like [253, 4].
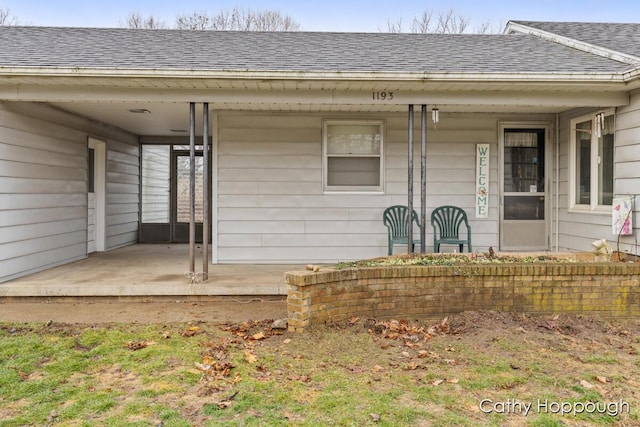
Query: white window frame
[342, 189]
[593, 205]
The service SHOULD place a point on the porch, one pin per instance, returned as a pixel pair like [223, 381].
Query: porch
[143, 270]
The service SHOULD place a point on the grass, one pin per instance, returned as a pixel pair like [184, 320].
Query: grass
[363, 372]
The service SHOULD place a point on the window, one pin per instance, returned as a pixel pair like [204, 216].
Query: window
[592, 161]
[92, 170]
[353, 155]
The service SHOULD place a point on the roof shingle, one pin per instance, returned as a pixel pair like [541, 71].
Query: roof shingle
[292, 51]
[619, 37]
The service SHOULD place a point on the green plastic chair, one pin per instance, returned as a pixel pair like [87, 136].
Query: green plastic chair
[395, 218]
[446, 222]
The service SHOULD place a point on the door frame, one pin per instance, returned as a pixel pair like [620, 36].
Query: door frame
[100, 191]
[547, 126]
[173, 200]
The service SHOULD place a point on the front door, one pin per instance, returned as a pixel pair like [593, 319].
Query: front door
[180, 196]
[523, 198]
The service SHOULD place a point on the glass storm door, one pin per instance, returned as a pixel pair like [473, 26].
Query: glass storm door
[180, 211]
[523, 222]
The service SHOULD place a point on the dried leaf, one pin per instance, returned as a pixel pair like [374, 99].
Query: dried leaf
[453, 381]
[225, 403]
[406, 354]
[258, 336]
[286, 341]
[353, 320]
[377, 368]
[602, 379]
[586, 384]
[137, 345]
[190, 332]
[437, 382]
[250, 357]
[375, 418]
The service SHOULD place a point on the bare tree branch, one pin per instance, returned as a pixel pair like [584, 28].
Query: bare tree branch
[7, 18]
[448, 22]
[422, 24]
[136, 20]
[238, 20]
[451, 23]
[392, 26]
[194, 21]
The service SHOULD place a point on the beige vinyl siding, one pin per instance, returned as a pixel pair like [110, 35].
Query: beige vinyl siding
[43, 187]
[577, 230]
[123, 189]
[627, 166]
[271, 204]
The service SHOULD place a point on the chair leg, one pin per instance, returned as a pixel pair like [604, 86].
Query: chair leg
[462, 248]
[390, 248]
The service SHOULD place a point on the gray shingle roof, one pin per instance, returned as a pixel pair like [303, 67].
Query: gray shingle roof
[624, 38]
[291, 51]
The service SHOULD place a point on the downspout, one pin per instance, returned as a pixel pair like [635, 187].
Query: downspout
[410, 184]
[557, 183]
[423, 178]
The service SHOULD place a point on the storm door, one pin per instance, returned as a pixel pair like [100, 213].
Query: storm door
[180, 200]
[165, 194]
[523, 198]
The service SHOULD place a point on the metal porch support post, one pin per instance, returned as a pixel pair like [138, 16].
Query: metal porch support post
[423, 179]
[192, 188]
[410, 184]
[205, 190]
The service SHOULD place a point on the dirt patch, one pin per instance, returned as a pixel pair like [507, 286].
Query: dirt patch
[147, 312]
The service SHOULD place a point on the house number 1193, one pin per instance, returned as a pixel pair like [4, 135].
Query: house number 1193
[382, 96]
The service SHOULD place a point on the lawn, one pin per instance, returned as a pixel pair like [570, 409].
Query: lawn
[476, 368]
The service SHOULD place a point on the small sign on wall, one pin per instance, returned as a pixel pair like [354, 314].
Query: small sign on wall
[622, 214]
[482, 180]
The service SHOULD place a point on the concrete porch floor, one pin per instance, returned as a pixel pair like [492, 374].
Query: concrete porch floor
[143, 270]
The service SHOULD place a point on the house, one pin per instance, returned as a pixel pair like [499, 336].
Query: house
[309, 136]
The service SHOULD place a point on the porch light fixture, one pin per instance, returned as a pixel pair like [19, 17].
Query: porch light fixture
[139, 111]
[435, 117]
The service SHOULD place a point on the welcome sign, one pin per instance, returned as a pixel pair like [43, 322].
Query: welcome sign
[482, 181]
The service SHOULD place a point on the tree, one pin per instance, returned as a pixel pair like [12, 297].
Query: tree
[448, 22]
[136, 20]
[238, 20]
[6, 18]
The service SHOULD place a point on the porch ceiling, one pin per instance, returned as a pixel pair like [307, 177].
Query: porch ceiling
[164, 100]
[173, 118]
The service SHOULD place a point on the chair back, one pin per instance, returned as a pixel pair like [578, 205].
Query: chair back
[448, 219]
[395, 218]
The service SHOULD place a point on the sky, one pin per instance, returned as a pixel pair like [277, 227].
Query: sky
[325, 15]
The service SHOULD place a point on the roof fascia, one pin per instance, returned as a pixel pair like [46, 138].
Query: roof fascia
[548, 98]
[46, 74]
[573, 43]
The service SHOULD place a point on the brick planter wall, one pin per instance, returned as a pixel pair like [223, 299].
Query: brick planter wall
[603, 289]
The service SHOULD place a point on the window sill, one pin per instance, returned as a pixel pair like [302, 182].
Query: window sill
[599, 210]
[351, 192]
